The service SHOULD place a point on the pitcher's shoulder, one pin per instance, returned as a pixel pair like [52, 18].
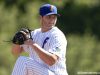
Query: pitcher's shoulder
[57, 31]
[36, 31]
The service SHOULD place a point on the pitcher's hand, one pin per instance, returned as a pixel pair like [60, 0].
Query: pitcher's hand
[29, 42]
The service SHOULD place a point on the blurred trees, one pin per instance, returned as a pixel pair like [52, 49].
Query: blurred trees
[83, 54]
[77, 17]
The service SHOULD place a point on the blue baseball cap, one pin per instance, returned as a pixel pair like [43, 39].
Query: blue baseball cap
[48, 9]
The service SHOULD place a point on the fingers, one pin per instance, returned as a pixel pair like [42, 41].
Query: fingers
[29, 42]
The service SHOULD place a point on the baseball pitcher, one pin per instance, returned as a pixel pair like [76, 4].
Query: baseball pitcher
[46, 47]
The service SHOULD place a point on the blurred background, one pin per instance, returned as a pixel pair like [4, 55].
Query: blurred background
[79, 20]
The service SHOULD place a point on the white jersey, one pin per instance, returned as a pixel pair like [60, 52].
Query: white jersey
[52, 41]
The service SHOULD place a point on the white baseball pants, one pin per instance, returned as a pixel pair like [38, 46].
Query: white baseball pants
[27, 66]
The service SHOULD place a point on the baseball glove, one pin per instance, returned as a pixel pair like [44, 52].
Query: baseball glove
[21, 36]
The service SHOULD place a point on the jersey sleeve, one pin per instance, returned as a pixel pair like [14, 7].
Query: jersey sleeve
[58, 45]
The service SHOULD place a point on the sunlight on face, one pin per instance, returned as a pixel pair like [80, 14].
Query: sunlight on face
[48, 21]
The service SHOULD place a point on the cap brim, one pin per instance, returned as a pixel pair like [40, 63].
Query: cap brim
[52, 14]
